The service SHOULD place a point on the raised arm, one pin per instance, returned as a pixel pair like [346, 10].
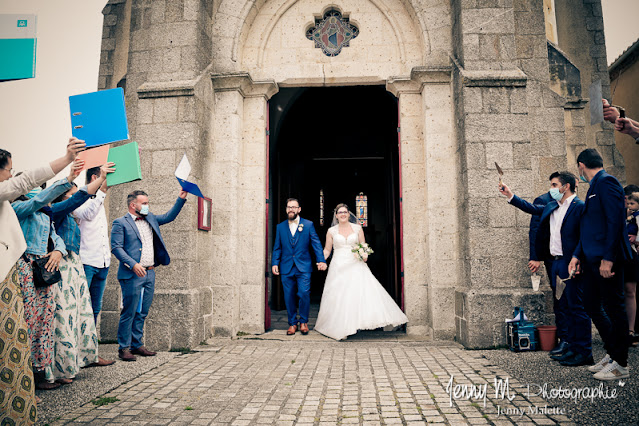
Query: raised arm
[25, 208]
[175, 210]
[73, 148]
[328, 247]
[63, 208]
[90, 209]
[107, 168]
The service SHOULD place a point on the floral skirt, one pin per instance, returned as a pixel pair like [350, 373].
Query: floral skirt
[38, 311]
[75, 341]
[17, 397]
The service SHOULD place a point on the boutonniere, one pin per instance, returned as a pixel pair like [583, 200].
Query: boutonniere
[300, 228]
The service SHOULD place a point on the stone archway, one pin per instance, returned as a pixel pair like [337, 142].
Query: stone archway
[254, 56]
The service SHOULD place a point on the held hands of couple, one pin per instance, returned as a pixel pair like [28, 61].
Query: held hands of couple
[320, 266]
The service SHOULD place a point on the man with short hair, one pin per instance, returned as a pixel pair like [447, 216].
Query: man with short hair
[292, 258]
[533, 260]
[137, 242]
[602, 250]
[95, 251]
[556, 240]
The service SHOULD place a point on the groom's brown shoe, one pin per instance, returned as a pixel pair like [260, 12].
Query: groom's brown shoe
[291, 330]
[143, 351]
[304, 328]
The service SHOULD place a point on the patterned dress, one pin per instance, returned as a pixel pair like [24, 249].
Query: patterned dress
[75, 341]
[38, 311]
[17, 397]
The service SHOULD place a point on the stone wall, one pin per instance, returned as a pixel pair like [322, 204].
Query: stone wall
[473, 83]
[169, 110]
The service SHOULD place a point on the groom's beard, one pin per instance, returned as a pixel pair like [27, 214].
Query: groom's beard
[292, 216]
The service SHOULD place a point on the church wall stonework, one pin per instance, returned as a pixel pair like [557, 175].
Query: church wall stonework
[473, 85]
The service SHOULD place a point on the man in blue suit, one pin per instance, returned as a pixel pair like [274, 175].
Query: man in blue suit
[292, 259]
[556, 240]
[602, 250]
[137, 242]
[533, 260]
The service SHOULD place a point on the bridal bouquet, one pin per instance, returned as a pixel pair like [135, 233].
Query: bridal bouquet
[361, 251]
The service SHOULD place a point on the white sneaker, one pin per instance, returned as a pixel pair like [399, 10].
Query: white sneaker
[600, 365]
[613, 371]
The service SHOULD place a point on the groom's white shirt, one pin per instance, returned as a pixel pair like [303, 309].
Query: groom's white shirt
[293, 225]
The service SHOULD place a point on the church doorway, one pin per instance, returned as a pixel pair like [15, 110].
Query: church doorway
[337, 143]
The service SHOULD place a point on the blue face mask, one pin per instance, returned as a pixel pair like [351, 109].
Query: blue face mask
[144, 210]
[582, 178]
[35, 191]
[555, 194]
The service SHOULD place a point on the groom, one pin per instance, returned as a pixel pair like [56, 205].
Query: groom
[293, 239]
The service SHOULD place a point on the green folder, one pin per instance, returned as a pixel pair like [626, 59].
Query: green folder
[127, 164]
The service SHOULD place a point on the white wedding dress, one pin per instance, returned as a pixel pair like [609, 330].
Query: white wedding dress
[353, 299]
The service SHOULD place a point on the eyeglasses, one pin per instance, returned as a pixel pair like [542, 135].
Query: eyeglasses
[291, 208]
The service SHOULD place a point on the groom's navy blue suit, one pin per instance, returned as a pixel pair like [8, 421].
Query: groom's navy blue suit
[291, 253]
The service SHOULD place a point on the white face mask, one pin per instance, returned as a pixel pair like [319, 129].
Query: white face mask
[555, 194]
[144, 210]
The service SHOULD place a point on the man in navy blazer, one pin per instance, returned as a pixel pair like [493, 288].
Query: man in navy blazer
[602, 250]
[292, 259]
[556, 240]
[137, 243]
[534, 262]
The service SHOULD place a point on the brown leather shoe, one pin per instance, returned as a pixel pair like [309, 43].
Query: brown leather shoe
[126, 355]
[304, 328]
[143, 351]
[101, 362]
[291, 330]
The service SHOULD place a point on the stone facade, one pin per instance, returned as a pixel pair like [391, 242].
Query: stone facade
[473, 83]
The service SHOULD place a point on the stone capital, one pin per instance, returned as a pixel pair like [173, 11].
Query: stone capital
[419, 77]
[243, 83]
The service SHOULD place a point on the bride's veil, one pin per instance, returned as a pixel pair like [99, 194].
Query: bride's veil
[351, 216]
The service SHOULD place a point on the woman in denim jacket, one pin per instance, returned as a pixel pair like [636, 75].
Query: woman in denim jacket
[35, 220]
[75, 340]
[18, 402]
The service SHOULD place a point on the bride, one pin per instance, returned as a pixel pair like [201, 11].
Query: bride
[353, 299]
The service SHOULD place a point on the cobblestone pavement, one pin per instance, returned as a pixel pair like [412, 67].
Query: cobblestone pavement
[312, 380]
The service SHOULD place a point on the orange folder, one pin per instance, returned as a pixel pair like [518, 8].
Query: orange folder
[95, 156]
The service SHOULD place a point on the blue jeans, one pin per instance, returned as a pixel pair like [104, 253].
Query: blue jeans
[297, 286]
[96, 279]
[131, 327]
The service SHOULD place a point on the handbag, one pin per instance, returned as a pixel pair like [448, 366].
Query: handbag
[42, 277]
